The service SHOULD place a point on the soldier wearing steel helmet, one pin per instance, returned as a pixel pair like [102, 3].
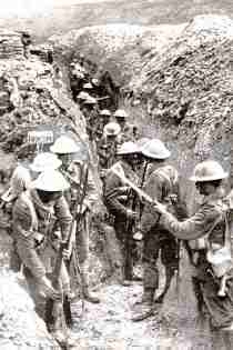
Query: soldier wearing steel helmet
[90, 112]
[210, 222]
[20, 181]
[128, 131]
[162, 184]
[74, 157]
[107, 146]
[118, 199]
[104, 118]
[34, 214]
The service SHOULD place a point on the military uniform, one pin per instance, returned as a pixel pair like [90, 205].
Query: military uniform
[107, 152]
[91, 196]
[128, 133]
[201, 223]
[32, 230]
[161, 185]
[19, 182]
[118, 200]
[76, 171]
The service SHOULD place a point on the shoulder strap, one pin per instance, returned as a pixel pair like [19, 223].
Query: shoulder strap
[34, 218]
[227, 233]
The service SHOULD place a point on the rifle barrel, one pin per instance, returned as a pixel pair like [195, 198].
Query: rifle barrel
[139, 191]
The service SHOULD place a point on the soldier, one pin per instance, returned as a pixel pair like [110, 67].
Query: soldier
[162, 184]
[128, 131]
[117, 198]
[21, 181]
[104, 118]
[34, 214]
[107, 146]
[81, 97]
[77, 75]
[75, 169]
[90, 112]
[210, 223]
[87, 87]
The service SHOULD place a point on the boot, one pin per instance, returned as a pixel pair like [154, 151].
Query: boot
[67, 311]
[169, 275]
[146, 307]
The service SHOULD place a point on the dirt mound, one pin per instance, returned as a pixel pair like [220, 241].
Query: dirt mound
[32, 95]
[190, 87]
[119, 48]
[20, 326]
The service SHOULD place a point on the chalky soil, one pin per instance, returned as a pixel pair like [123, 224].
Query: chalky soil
[108, 325]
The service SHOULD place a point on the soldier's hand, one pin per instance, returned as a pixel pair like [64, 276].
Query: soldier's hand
[138, 236]
[160, 208]
[48, 290]
[131, 214]
[66, 253]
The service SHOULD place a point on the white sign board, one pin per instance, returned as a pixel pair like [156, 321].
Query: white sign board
[40, 137]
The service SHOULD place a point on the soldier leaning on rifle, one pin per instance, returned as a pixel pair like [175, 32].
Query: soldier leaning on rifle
[162, 184]
[34, 214]
[20, 181]
[107, 147]
[211, 224]
[74, 167]
[117, 198]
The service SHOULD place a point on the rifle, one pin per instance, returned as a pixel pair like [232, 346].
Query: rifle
[139, 191]
[77, 216]
[146, 197]
[56, 308]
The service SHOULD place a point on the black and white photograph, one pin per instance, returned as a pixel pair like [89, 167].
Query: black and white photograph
[116, 175]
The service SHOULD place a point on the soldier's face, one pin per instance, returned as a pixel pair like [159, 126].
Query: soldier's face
[134, 159]
[66, 159]
[121, 121]
[205, 188]
[49, 197]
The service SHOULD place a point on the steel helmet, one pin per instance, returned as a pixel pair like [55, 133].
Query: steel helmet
[87, 86]
[208, 170]
[64, 144]
[83, 95]
[95, 81]
[155, 149]
[120, 113]
[128, 147]
[112, 129]
[90, 101]
[51, 181]
[44, 161]
[105, 112]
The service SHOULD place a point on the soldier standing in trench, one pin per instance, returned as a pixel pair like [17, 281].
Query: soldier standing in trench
[104, 118]
[90, 112]
[107, 147]
[128, 131]
[211, 221]
[117, 198]
[162, 184]
[34, 215]
[21, 181]
[75, 169]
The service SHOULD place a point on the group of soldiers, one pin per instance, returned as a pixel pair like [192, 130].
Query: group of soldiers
[53, 197]
[49, 196]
